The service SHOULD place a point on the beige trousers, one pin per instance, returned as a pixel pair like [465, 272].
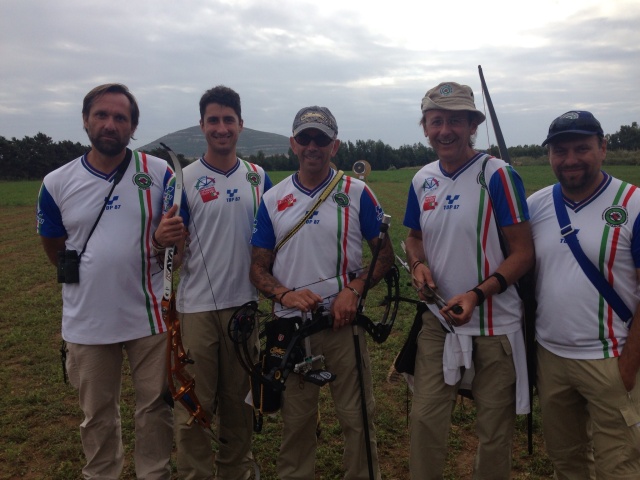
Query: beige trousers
[493, 388]
[96, 371]
[591, 424]
[221, 387]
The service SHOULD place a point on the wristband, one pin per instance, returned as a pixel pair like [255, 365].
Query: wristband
[355, 292]
[155, 244]
[501, 280]
[480, 294]
[282, 296]
[415, 264]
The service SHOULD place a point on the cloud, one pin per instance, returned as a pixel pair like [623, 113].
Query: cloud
[369, 63]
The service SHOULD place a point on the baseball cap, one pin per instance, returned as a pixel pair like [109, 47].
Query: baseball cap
[315, 117]
[451, 96]
[576, 121]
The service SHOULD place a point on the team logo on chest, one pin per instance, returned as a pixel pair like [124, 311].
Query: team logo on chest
[341, 199]
[286, 202]
[615, 216]
[452, 202]
[253, 178]
[429, 203]
[206, 188]
[430, 184]
[142, 180]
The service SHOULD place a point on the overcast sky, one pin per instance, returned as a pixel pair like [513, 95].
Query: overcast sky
[369, 62]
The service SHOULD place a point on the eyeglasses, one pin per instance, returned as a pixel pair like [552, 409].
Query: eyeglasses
[321, 140]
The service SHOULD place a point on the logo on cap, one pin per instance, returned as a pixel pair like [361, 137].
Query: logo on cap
[446, 90]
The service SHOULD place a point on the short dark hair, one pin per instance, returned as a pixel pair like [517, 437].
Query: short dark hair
[222, 95]
[100, 90]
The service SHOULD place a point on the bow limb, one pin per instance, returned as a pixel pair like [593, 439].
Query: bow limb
[502, 146]
[380, 331]
[177, 358]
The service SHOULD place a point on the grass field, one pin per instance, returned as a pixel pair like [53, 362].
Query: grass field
[39, 435]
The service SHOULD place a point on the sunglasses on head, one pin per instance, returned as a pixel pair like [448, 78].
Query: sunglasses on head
[321, 140]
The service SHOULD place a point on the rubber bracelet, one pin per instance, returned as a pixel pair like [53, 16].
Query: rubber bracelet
[282, 296]
[480, 294]
[155, 243]
[415, 264]
[355, 292]
[501, 280]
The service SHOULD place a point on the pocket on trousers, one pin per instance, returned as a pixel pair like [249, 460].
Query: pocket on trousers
[631, 414]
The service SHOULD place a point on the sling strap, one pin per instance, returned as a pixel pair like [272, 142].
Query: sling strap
[323, 196]
[591, 271]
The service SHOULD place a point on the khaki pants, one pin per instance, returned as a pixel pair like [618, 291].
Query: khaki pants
[221, 387]
[591, 425]
[96, 371]
[296, 460]
[433, 401]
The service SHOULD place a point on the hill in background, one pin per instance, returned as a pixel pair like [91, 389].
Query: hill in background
[191, 143]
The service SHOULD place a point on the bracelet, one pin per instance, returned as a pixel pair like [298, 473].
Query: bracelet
[415, 264]
[480, 294]
[501, 280]
[355, 292]
[155, 243]
[282, 296]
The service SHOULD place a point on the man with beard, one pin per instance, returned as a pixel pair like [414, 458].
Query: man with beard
[98, 231]
[222, 197]
[328, 246]
[457, 209]
[586, 231]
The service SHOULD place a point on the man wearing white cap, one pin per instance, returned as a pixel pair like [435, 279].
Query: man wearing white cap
[458, 209]
[586, 229]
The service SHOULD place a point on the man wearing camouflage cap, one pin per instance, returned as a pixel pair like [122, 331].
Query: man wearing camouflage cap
[589, 352]
[457, 209]
[328, 246]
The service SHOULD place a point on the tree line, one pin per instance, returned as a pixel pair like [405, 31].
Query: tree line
[34, 157]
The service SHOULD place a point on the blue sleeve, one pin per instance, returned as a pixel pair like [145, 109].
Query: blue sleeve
[48, 216]
[267, 182]
[370, 214]
[263, 235]
[508, 197]
[412, 213]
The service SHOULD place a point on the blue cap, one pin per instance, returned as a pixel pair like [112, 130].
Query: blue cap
[574, 122]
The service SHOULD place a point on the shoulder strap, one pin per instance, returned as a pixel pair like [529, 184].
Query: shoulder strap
[590, 270]
[116, 179]
[323, 196]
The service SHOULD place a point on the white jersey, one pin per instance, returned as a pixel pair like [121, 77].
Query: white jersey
[220, 211]
[120, 290]
[323, 254]
[460, 236]
[573, 320]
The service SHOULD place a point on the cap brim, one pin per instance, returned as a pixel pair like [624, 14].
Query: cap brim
[568, 132]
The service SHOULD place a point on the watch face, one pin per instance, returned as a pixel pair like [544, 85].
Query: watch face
[359, 167]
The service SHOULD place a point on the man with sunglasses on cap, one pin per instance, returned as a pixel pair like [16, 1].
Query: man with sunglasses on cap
[457, 209]
[586, 231]
[321, 266]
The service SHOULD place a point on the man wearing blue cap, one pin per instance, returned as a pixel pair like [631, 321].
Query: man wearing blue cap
[586, 231]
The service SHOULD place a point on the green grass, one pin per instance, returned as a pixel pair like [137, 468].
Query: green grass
[39, 435]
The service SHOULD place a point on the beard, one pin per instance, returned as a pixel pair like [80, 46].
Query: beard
[109, 146]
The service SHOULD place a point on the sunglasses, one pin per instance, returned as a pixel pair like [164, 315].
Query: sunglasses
[321, 140]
